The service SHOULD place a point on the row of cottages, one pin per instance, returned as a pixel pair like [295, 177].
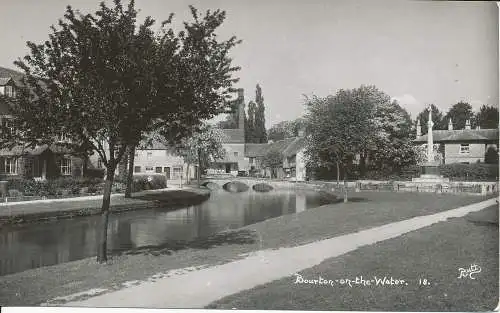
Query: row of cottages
[293, 165]
[461, 145]
[39, 162]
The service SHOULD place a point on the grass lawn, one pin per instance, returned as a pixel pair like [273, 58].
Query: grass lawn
[434, 253]
[367, 210]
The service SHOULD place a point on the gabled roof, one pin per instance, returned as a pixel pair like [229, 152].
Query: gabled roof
[8, 73]
[5, 80]
[20, 150]
[288, 147]
[461, 135]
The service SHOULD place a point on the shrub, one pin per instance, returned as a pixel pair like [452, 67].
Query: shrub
[470, 172]
[94, 173]
[147, 182]
[15, 193]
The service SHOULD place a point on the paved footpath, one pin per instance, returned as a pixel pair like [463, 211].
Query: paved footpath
[199, 288]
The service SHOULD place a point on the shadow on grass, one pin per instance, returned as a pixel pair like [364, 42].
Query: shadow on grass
[486, 217]
[238, 237]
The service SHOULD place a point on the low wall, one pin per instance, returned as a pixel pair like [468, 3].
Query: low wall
[475, 188]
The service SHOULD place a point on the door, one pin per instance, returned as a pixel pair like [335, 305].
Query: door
[167, 172]
[228, 168]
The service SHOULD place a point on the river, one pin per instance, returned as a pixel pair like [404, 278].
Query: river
[28, 246]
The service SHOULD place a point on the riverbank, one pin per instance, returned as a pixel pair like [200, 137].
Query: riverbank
[44, 210]
[75, 280]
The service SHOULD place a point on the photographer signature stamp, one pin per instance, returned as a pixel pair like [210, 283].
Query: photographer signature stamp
[469, 272]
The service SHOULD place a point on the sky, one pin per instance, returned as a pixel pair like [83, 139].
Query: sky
[418, 52]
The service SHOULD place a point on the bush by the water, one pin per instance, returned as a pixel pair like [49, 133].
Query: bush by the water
[53, 187]
[235, 186]
[148, 182]
[262, 187]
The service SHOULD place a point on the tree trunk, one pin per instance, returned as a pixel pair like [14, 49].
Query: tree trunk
[102, 256]
[338, 174]
[345, 185]
[199, 168]
[130, 172]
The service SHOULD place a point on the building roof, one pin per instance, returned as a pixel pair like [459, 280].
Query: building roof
[5, 80]
[234, 135]
[20, 150]
[298, 144]
[461, 135]
[8, 73]
[288, 146]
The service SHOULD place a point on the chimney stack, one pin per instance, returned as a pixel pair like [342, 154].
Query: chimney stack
[419, 128]
[450, 125]
[467, 124]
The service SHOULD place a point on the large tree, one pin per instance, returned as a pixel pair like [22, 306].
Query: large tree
[260, 134]
[459, 113]
[487, 117]
[273, 160]
[437, 118]
[358, 126]
[106, 82]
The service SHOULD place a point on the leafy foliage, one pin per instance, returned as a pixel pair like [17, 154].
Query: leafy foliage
[204, 146]
[360, 126]
[459, 113]
[272, 159]
[487, 117]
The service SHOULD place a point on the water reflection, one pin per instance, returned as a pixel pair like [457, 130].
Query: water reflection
[37, 245]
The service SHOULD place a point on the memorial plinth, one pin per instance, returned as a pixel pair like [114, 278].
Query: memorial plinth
[430, 174]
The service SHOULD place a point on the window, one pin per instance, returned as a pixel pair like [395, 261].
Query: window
[149, 168]
[65, 166]
[63, 137]
[10, 91]
[464, 148]
[235, 153]
[158, 169]
[177, 174]
[8, 166]
[8, 124]
[137, 169]
[251, 160]
[99, 163]
[150, 155]
[136, 154]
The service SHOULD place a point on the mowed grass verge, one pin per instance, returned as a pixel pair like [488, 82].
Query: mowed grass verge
[434, 253]
[368, 209]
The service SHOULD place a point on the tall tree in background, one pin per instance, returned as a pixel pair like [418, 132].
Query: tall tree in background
[105, 83]
[250, 130]
[487, 117]
[260, 134]
[459, 113]
[437, 119]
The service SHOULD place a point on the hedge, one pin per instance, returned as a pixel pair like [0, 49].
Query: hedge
[470, 172]
[148, 181]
